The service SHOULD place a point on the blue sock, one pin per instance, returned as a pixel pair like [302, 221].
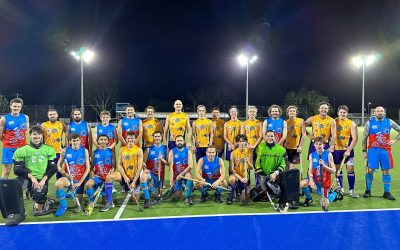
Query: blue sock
[218, 191]
[351, 177]
[203, 191]
[369, 177]
[307, 192]
[340, 178]
[60, 193]
[145, 189]
[90, 193]
[108, 186]
[188, 188]
[387, 180]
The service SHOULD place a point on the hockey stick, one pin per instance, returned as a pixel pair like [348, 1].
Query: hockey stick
[131, 193]
[205, 183]
[72, 187]
[90, 207]
[159, 176]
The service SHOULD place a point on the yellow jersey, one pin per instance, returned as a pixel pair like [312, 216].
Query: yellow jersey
[150, 125]
[239, 160]
[343, 133]
[293, 133]
[321, 127]
[252, 130]
[52, 134]
[177, 124]
[218, 138]
[130, 160]
[233, 129]
[202, 132]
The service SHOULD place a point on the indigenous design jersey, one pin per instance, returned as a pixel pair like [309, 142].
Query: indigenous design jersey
[252, 130]
[52, 133]
[82, 130]
[210, 169]
[150, 125]
[102, 162]
[129, 124]
[130, 160]
[106, 130]
[218, 138]
[315, 157]
[153, 163]
[76, 162]
[35, 159]
[343, 133]
[177, 124]
[379, 133]
[202, 132]
[277, 126]
[14, 131]
[239, 160]
[321, 127]
[233, 129]
[293, 133]
[180, 160]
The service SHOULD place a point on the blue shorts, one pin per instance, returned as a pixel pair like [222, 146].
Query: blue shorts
[126, 187]
[154, 179]
[7, 155]
[179, 184]
[97, 184]
[312, 149]
[338, 157]
[200, 152]
[380, 157]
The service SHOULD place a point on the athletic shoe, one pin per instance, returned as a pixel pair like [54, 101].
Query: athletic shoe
[353, 194]
[107, 207]
[307, 202]
[388, 196]
[78, 209]
[147, 203]
[203, 198]
[229, 200]
[60, 211]
[217, 198]
[188, 201]
[114, 190]
[367, 194]
[342, 190]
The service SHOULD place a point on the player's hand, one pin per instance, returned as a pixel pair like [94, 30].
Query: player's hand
[188, 145]
[76, 185]
[299, 149]
[35, 183]
[331, 149]
[321, 162]
[171, 183]
[127, 180]
[391, 142]
[346, 154]
[245, 180]
[311, 183]
[365, 155]
[41, 183]
[194, 149]
[178, 177]
[231, 146]
[69, 176]
[273, 176]
[133, 185]
[215, 185]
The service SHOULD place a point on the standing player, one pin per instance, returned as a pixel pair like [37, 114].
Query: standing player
[347, 136]
[177, 123]
[296, 131]
[53, 133]
[232, 128]
[203, 132]
[379, 153]
[150, 125]
[13, 129]
[105, 128]
[276, 124]
[322, 126]
[251, 128]
[210, 169]
[81, 127]
[130, 123]
[76, 170]
[218, 127]
[180, 160]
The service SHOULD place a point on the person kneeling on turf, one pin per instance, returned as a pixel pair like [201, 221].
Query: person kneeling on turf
[210, 172]
[36, 164]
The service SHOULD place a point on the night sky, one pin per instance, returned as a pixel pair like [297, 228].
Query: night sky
[167, 49]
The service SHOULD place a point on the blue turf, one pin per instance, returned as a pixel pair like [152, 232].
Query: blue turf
[343, 230]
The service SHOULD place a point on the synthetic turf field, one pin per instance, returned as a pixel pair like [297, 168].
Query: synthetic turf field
[169, 208]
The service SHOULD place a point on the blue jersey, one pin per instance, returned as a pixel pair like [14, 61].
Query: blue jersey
[82, 130]
[102, 162]
[379, 133]
[180, 162]
[210, 169]
[76, 161]
[107, 130]
[14, 131]
[316, 168]
[153, 164]
[277, 126]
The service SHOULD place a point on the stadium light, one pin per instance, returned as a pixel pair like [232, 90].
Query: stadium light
[83, 55]
[244, 61]
[364, 61]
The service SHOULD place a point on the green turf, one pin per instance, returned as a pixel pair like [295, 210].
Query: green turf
[170, 208]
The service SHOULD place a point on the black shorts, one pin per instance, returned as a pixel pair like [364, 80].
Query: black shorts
[125, 186]
[293, 156]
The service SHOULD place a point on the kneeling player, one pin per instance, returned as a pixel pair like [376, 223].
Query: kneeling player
[210, 172]
[36, 164]
[74, 172]
[181, 163]
[318, 159]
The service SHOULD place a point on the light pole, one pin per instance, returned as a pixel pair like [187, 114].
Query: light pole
[363, 61]
[369, 110]
[82, 55]
[245, 60]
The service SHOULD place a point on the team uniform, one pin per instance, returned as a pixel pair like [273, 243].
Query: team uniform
[321, 127]
[240, 167]
[293, 139]
[210, 173]
[277, 126]
[218, 138]
[177, 126]
[82, 130]
[324, 182]
[130, 165]
[343, 132]
[233, 128]
[52, 135]
[154, 164]
[76, 160]
[130, 124]
[14, 136]
[180, 163]
[150, 125]
[106, 130]
[202, 132]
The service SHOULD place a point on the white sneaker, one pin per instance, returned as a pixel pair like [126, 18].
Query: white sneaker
[114, 190]
[353, 194]
[342, 190]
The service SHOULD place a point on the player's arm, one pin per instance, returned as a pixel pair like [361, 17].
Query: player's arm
[260, 137]
[190, 164]
[27, 126]
[331, 165]
[364, 139]
[396, 127]
[171, 169]
[310, 174]
[60, 164]
[139, 138]
[308, 123]
[189, 129]
[199, 169]
[263, 129]
[94, 136]
[221, 171]
[112, 146]
[166, 130]
[145, 156]
[114, 162]
[333, 136]
[284, 134]
[2, 125]
[139, 166]
[119, 131]
[302, 136]
[211, 133]
[122, 170]
[87, 168]
[67, 136]
[194, 133]
[232, 168]
[89, 137]
[232, 145]
[354, 137]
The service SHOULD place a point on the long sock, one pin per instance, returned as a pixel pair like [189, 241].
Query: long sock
[108, 186]
[233, 192]
[218, 191]
[90, 193]
[340, 178]
[60, 193]
[351, 177]
[145, 189]
[369, 177]
[203, 191]
[188, 188]
[387, 180]
[307, 192]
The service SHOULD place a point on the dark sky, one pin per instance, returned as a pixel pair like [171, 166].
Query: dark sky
[167, 49]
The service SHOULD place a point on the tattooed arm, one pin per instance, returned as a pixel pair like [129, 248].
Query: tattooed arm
[364, 139]
[396, 127]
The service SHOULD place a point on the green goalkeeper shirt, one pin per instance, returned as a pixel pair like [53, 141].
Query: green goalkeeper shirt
[270, 159]
[35, 159]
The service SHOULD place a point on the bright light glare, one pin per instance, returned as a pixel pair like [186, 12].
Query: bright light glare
[365, 60]
[357, 61]
[370, 59]
[242, 60]
[88, 56]
[75, 55]
[253, 59]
